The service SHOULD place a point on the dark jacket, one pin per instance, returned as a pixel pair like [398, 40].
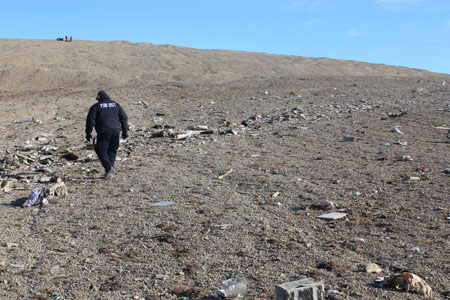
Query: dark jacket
[106, 115]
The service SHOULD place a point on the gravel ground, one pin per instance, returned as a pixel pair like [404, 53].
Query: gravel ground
[245, 197]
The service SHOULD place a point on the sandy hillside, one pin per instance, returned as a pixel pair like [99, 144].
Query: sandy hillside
[288, 139]
[48, 64]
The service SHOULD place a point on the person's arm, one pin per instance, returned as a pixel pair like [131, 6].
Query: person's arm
[123, 122]
[123, 119]
[90, 120]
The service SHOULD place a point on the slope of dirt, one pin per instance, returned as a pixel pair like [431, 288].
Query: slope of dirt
[245, 197]
[49, 64]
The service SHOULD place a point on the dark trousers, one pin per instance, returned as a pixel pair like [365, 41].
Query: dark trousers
[106, 147]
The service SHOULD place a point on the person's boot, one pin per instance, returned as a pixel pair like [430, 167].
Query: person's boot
[110, 174]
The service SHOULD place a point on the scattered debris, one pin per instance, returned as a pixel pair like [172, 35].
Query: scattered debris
[232, 288]
[415, 249]
[222, 176]
[11, 245]
[398, 115]
[409, 282]
[34, 121]
[24, 158]
[401, 143]
[424, 170]
[396, 130]
[58, 189]
[36, 197]
[161, 276]
[327, 204]
[187, 134]
[297, 110]
[404, 158]
[307, 288]
[228, 131]
[349, 139]
[182, 135]
[412, 178]
[162, 133]
[198, 128]
[273, 198]
[441, 127]
[163, 203]
[223, 226]
[332, 216]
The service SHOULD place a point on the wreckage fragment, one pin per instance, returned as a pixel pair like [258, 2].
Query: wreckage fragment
[409, 282]
[58, 189]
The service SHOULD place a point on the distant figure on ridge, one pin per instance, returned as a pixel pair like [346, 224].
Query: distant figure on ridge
[108, 118]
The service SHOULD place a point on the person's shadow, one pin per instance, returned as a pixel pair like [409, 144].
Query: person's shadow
[18, 202]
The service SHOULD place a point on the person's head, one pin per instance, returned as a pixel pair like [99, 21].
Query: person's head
[102, 96]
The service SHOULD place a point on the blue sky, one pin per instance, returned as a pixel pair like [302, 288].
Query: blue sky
[410, 33]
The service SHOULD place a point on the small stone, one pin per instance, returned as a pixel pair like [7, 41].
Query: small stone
[44, 179]
[5, 183]
[373, 268]
[328, 204]
[69, 156]
[6, 186]
[55, 179]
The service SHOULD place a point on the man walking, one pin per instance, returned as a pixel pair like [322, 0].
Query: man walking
[108, 118]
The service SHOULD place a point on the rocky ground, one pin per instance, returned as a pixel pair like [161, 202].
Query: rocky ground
[244, 195]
